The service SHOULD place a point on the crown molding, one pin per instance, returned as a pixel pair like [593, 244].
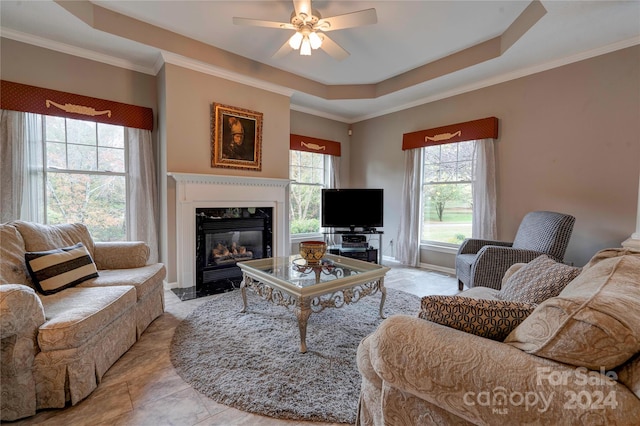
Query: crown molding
[74, 51]
[318, 113]
[502, 78]
[167, 57]
[184, 62]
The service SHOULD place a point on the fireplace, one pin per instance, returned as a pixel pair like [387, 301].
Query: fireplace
[233, 197]
[224, 237]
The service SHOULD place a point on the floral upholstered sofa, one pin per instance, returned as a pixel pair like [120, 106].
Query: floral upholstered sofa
[571, 359]
[69, 308]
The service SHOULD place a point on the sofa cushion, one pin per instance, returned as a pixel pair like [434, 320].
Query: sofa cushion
[594, 322]
[538, 280]
[39, 237]
[57, 269]
[77, 314]
[629, 375]
[493, 319]
[144, 279]
[481, 292]
[12, 266]
[120, 254]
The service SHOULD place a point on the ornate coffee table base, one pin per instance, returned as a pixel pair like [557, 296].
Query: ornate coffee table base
[305, 306]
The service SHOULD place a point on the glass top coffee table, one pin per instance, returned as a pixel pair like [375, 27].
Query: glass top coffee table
[290, 281]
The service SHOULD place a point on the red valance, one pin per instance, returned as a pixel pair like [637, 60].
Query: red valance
[484, 128]
[309, 144]
[21, 97]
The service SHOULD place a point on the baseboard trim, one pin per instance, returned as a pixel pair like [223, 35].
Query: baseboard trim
[429, 266]
[437, 268]
[170, 285]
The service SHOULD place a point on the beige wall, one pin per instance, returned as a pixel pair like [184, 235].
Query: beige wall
[36, 66]
[318, 127]
[189, 95]
[568, 137]
[324, 128]
[29, 64]
[569, 141]
[186, 137]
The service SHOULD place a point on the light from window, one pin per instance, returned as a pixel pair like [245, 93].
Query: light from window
[446, 192]
[85, 165]
[307, 169]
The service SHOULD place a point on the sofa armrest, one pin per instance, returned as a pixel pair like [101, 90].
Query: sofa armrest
[21, 314]
[493, 262]
[473, 245]
[487, 382]
[21, 311]
[121, 254]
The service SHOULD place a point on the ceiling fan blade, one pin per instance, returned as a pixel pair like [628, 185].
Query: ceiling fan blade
[332, 48]
[302, 6]
[348, 20]
[283, 51]
[261, 23]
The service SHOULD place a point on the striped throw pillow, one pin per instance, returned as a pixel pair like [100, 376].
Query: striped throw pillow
[57, 269]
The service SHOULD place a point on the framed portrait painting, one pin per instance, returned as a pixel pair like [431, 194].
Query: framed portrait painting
[236, 138]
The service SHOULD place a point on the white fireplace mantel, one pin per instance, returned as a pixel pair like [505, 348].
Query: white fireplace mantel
[194, 191]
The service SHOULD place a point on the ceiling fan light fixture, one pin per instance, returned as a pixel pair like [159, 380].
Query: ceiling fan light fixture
[315, 40]
[305, 49]
[295, 41]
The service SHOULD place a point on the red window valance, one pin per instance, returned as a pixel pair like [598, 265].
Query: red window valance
[309, 144]
[484, 128]
[21, 97]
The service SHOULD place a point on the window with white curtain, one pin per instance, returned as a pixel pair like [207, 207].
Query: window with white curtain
[309, 172]
[85, 170]
[447, 204]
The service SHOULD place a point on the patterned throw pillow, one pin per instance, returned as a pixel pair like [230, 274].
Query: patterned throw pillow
[538, 280]
[57, 269]
[493, 319]
[594, 322]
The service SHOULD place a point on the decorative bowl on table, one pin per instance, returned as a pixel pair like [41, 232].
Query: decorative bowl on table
[313, 251]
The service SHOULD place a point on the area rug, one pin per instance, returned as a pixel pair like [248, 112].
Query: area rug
[252, 361]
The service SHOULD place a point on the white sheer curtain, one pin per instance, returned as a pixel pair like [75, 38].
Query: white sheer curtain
[334, 171]
[33, 192]
[143, 208]
[12, 151]
[21, 167]
[334, 182]
[408, 241]
[484, 191]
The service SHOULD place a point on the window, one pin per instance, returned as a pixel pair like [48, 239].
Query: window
[308, 170]
[85, 176]
[446, 193]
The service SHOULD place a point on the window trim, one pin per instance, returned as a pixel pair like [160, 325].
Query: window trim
[434, 245]
[326, 177]
[58, 170]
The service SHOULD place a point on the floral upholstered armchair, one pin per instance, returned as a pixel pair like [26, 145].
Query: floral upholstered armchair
[571, 359]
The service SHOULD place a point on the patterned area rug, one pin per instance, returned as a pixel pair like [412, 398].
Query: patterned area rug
[252, 361]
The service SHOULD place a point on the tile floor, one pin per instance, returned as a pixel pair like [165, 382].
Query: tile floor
[142, 388]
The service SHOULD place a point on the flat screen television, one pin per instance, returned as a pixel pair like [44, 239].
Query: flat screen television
[352, 208]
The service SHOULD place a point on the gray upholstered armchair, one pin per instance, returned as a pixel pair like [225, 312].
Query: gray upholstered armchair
[484, 262]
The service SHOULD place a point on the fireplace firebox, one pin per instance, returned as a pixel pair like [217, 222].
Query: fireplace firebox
[224, 237]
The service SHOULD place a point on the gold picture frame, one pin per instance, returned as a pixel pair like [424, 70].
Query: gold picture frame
[236, 138]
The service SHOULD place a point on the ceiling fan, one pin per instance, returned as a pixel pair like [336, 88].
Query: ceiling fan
[310, 28]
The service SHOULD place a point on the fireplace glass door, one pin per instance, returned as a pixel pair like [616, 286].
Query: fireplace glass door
[225, 237]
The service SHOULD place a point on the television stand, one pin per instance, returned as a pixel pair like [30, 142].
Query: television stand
[364, 252]
[368, 254]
